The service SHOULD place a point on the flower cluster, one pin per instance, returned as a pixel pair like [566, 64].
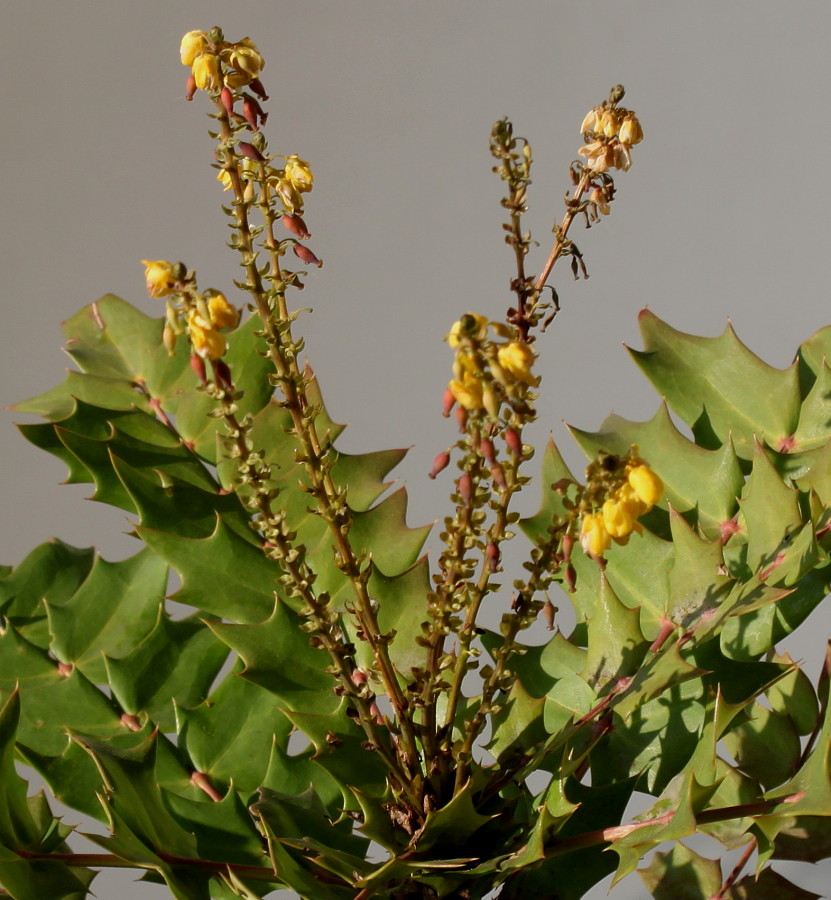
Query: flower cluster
[201, 316]
[215, 63]
[630, 489]
[609, 131]
[487, 372]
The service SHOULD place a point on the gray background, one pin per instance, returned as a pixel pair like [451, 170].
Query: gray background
[724, 212]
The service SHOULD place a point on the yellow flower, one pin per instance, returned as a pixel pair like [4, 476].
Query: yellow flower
[298, 174]
[630, 131]
[517, 358]
[206, 342]
[206, 72]
[224, 177]
[246, 61]
[618, 519]
[646, 484]
[222, 313]
[626, 495]
[594, 539]
[161, 277]
[194, 43]
[471, 325]
[467, 392]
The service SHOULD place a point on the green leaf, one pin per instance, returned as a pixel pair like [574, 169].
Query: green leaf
[223, 574]
[278, 657]
[616, 646]
[229, 737]
[111, 612]
[718, 387]
[682, 874]
[177, 661]
[768, 885]
[28, 825]
[52, 573]
[750, 744]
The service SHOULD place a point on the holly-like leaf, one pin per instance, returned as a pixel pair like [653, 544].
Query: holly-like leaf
[681, 874]
[718, 387]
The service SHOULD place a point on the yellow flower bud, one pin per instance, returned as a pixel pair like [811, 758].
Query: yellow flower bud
[222, 313]
[206, 342]
[517, 359]
[467, 392]
[160, 276]
[206, 72]
[646, 484]
[594, 539]
[630, 131]
[618, 519]
[298, 173]
[194, 43]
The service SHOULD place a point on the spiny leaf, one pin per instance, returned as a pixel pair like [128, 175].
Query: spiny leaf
[176, 661]
[110, 613]
[616, 645]
[229, 737]
[718, 387]
[223, 573]
[681, 874]
[278, 657]
[27, 824]
[52, 572]
[52, 701]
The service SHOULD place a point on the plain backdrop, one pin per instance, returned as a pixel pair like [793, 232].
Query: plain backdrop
[723, 214]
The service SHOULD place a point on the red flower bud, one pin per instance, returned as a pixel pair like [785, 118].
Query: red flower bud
[486, 449]
[359, 677]
[493, 555]
[498, 476]
[440, 463]
[296, 226]
[567, 544]
[223, 374]
[250, 151]
[465, 488]
[253, 113]
[190, 88]
[198, 366]
[461, 418]
[257, 86]
[307, 256]
[226, 95]
[549, 611]
[571, 578]
[513, 440]
[448, 402]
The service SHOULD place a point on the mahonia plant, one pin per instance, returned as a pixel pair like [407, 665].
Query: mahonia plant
[331, 717]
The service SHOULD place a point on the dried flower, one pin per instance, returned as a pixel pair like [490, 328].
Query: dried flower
[630, 130]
